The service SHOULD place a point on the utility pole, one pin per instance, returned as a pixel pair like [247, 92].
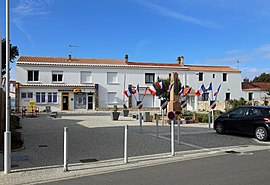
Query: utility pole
[7, 135]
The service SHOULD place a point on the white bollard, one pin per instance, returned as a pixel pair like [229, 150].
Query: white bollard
[157, 125]
[178, 125]
[213, 118]
[126, 145]
[7, 152]
[209, 122]
[65, 149]
[162, 117]
[140, 119]
[172, 137]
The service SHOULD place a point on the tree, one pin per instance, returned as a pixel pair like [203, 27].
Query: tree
[264, 77]
[14, 52]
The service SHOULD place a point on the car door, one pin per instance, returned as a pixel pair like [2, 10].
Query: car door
[233, 120]
[250, 120]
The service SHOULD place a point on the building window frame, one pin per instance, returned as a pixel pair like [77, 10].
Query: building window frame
[57, 76]
[86, 77]
[149, 77]
[227, 96]
[200, 76]
[224, 77]
[112, 78]
[32, 75]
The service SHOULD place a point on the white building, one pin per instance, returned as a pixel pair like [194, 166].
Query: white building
[86, 83]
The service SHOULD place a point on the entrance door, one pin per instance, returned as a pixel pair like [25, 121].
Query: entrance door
[90, 102]
[65, 103]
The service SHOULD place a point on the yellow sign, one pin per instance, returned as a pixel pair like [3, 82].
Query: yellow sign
[32, 106]
[77, 90]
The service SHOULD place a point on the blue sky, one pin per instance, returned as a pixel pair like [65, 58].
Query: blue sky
[208, 32]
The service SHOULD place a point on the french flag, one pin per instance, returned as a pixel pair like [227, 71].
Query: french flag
[145, 91]
[137, 88]
[181, 90]
[210, 87]
[128, 92]
[188, 91]
[216, 93]
[170, 88]
[152, 89]
[203, 88]
[198, 92]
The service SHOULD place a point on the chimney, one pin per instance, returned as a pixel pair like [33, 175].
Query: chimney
[69, 57]
[126, 58]
[180, 60]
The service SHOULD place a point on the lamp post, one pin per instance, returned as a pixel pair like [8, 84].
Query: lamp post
[7, 135]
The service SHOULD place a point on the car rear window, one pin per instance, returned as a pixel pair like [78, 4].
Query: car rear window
[266, 113]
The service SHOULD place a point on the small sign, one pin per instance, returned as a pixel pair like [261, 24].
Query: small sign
[77, 90]
[171, 115]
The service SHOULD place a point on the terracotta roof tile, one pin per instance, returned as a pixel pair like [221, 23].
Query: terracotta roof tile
[154, 64]
[73, 60]
[212, 68]
[255, 86]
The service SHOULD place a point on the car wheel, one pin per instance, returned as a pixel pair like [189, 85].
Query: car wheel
[261, 134]
[219, 128]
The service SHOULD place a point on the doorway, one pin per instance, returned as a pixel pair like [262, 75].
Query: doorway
[90, 104]
[65, 101]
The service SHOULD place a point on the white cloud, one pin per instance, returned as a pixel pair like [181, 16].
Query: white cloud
[27, 9]
[164, 11]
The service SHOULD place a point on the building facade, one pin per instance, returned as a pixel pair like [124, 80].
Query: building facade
[66, 84]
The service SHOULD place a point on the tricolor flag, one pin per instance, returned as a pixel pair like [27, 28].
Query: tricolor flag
[137, 88]
[203, 88]
[216, 93]
[188, 91]
[152, 89]
[210, 87]
[198, 92]
[145, 91]
[162, 86]
[181, 90]
[170, 88]
[158, 85]
[128, 92]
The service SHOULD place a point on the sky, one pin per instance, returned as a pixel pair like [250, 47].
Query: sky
[233, 33]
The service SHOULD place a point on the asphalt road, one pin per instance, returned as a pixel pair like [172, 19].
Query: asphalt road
[227, 169]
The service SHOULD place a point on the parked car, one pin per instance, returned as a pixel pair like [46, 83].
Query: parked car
[253, 120]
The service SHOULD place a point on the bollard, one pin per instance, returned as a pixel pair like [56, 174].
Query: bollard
[7, 152]
[162, 117]
[126, 145]
[172, 137]
[157, 125]
[209, 124]
[65, 149]
[178, 126]
[140, 120]
[213, 118]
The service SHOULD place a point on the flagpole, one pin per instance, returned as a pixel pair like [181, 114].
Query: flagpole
[7, 135]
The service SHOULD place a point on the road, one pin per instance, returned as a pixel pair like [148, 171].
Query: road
[228, 169]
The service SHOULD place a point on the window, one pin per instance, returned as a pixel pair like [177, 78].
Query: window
[149, 77]
[23, 94]
[237, 113]
[40, 97]
[57, 76]
[205, 96]
[33, 76]
[250, 96]
[253, 112]
[112, 78]
[200, 76]
[30, 95]
[224, 77]
[228, 96]
[214, 75]
[52, 97]
[27, 95]
[112, 98]
[86, 77]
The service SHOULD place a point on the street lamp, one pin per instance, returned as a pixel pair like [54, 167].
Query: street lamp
[7, 135]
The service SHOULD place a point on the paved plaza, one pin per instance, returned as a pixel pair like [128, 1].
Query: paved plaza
[97, 142]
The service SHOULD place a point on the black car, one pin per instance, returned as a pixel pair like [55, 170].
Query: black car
[254, 120]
